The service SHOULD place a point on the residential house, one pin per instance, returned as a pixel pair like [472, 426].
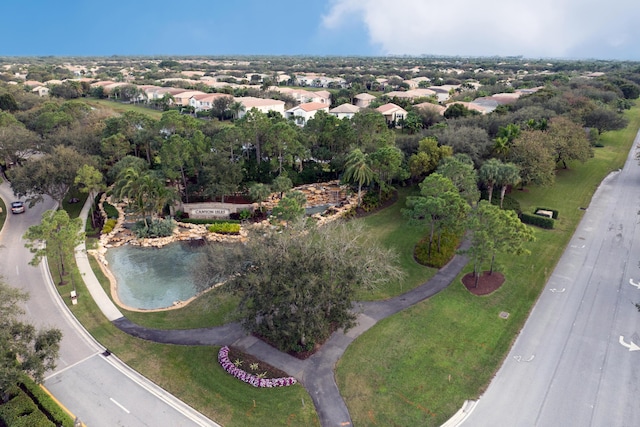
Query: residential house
[305, 96]
[303, 112]
[183, 97]
[204, 102]
[433, 107]
[481, 108]
[261, 104]
[443, 93]
[363, 100]
[40, 90]
[392, 113]
[155, 93]
[344, 110]
[411, 94]
[33, 83]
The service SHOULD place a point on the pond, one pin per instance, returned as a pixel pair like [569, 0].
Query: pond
[151, 278]
[317, 209]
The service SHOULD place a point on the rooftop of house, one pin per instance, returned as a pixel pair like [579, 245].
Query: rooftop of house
[389, 108]
[310, 106]
[250, 101]
[345, 108]
[364, 96]
[429, 106]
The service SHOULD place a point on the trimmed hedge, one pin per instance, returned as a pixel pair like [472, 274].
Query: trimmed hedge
[224, 228]
[208, 221]
[21, 411]
[30, 406]
[553, 211]
[47, 404]
[537, 220]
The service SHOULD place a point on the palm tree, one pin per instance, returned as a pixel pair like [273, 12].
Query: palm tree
[235, 107]
[489, 173]
[145, 191]
[501, 146]
[357, 169]
[509, 174]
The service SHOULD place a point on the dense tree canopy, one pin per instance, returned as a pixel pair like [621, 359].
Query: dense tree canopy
[294, 290]
[23, 348]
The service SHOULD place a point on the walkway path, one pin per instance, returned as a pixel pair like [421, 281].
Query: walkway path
[316, 373]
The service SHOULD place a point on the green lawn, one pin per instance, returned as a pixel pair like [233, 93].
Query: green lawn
[418, 367]
[391, 229]
[121, 108]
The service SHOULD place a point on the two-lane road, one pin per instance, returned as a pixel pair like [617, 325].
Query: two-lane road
[97, 388]
[572, 363]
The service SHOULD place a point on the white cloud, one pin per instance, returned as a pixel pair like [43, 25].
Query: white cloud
[543, 28]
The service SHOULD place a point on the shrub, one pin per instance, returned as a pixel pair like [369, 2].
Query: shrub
[156, 228]
[224, 228]
[553, 211]
[449, 242]
[208, 221]
[108, 226]
[508, 203]
[110, 210]
[244, 214]
[370, 201]
[537, 220]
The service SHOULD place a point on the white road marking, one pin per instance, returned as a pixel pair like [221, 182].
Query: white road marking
[66, 368]
[119, 405]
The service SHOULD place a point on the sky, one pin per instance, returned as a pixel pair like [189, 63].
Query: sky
[571, 29]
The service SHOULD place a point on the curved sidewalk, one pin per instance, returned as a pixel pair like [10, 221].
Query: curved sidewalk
[316, 373]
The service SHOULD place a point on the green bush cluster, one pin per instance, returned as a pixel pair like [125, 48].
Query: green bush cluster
[537, 220]
[108, 226]
[224, 228]
[21, 411]
[449, 242]
[110, 210]
[509, 203]
[156, 228]
[47, 404]
[32, 407]
[553, 212]
[208, 221]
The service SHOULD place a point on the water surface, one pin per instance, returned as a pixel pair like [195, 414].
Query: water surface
[151, 278]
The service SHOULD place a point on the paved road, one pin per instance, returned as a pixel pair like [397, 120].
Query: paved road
[572, 364]
[100, 390]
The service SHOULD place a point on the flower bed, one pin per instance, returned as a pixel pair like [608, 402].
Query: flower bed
[223, 358]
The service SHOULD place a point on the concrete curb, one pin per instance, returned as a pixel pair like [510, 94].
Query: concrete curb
[458, 418]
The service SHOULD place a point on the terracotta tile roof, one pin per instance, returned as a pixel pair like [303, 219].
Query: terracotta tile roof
[389, 108]
[364, 96]
[312, 106]
[345, 108]
[250, 101]
[429, 106]
[210, 96]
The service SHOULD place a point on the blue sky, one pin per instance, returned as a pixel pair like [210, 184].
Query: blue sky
[535, 29]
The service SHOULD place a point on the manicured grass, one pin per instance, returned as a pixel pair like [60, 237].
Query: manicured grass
[418, 367]
[121, 108]
[392, 231]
